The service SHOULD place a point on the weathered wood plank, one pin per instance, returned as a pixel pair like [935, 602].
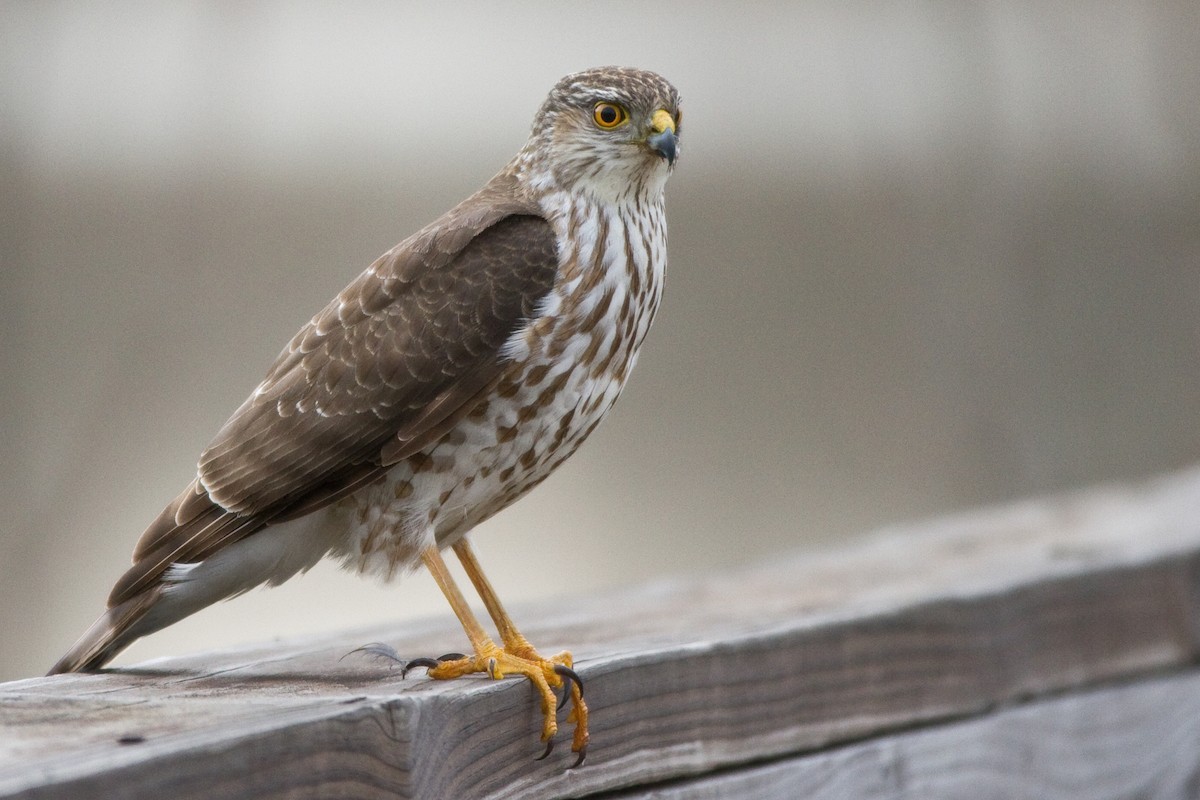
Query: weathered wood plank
[927, 622]
[1136, 741]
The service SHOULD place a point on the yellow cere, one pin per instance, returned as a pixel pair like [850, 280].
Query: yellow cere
[662, 121]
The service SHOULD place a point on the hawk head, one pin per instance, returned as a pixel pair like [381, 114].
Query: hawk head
[612, 132]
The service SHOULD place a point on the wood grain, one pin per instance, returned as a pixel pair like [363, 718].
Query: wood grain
[1136, 741]
[917, 626]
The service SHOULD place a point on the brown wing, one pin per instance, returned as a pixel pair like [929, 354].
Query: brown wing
[379, 356]
[403, 350]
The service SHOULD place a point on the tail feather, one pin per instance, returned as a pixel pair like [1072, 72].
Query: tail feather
[116, 629]
[173, 590]
[136, 605]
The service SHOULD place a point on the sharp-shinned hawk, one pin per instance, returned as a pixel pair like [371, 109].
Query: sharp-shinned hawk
[445, 382]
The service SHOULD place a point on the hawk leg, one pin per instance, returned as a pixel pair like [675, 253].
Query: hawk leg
[516, 657]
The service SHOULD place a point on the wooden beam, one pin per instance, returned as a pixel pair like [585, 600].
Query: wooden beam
[1137, 740]
[919, 626]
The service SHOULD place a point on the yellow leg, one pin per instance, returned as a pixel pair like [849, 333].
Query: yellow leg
[437, 568]
[518, 645]
[513, 640]
[518, 657]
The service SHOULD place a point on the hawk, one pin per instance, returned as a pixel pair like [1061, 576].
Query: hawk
[446, 381]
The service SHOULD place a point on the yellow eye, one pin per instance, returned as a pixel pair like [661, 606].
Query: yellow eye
[609, 115]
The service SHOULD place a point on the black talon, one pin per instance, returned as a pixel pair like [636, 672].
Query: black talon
[549, 748]
[451, 656]
[564, 703]
[378, 650]
[561, 705]
[427, 663]
[582, 756]
[570, 675]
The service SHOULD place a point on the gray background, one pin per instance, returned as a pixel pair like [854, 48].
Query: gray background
[923, 256]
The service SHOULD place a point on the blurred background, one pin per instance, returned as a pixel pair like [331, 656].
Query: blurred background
[924, 256]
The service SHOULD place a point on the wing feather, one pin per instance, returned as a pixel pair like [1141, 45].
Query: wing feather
[384, 370]
[340, 391]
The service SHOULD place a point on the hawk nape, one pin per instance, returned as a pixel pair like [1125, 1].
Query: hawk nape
[440, 386]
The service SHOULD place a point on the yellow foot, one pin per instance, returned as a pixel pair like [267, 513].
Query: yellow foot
[546, 674]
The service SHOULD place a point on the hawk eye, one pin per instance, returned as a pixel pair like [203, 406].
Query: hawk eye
[609, 115]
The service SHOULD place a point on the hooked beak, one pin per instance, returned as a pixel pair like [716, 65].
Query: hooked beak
[663, 139]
